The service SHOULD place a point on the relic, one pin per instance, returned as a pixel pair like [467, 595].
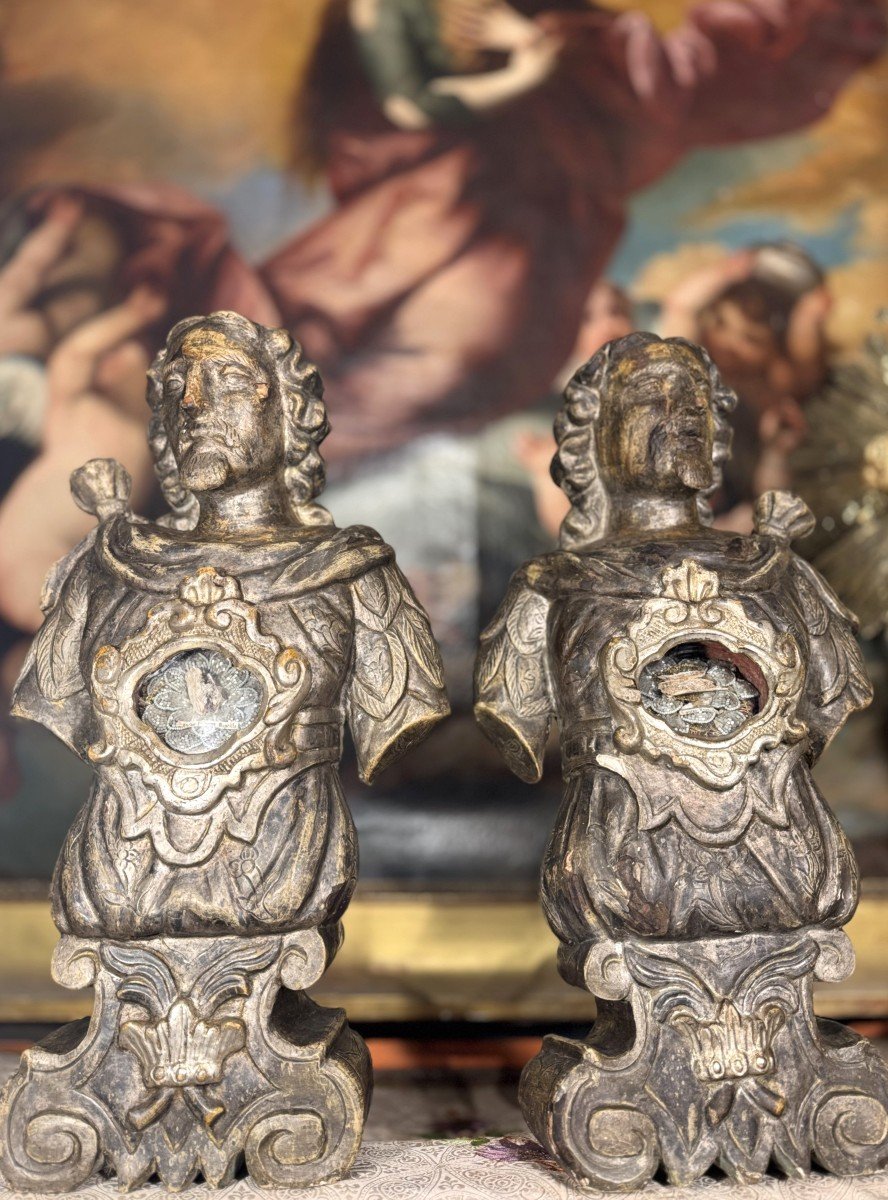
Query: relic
[696, 879]
[206, 664]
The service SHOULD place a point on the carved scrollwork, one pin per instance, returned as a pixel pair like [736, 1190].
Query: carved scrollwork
[58, 1142]
[690, 609]
[623, 1142]
[195, 1059]
[716, 1058]
[208, 616]
[280, 1147]
[849, 1128]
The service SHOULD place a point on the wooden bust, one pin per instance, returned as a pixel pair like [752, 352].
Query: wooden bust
[206, 665]
[695, 877]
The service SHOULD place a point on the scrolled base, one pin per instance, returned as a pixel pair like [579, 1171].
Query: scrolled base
[200, 1053]
[709, 1052]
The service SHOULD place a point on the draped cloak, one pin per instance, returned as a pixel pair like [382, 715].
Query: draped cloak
[447, 285]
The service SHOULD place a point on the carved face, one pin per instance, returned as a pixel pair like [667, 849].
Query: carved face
[655, 430]
[224, 426]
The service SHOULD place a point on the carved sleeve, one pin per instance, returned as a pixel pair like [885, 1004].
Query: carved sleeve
[396, 690]
[837, 683]
[513, 693]
[51, 689]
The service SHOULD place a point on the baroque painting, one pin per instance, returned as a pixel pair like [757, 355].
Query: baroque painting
[450, 204]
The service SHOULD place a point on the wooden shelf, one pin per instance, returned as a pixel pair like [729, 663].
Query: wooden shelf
[432, 955]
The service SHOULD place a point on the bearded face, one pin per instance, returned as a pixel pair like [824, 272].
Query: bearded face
[223, 423]
[655, 431]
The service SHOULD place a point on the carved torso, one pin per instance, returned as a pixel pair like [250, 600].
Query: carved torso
[682, 816]
[217, 803]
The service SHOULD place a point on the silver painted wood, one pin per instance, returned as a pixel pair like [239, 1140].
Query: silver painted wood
[206, 665]
[696, 877]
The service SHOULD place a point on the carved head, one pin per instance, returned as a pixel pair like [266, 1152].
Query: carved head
[232, 403]
[644, 417]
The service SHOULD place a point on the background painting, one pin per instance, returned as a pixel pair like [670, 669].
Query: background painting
[446, 264]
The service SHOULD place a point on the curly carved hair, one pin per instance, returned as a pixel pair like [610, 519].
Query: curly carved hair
[575, 465]
[296, 383]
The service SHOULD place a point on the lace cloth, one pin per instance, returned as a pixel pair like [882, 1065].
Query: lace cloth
[492, 1168]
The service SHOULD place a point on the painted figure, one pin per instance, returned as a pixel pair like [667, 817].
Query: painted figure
[482, 155]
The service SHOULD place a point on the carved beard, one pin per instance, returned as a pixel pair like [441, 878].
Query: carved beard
[693, 470]
[204, 467]
[675, 453]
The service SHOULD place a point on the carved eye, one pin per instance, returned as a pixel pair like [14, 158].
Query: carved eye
[174, 386]
[236, 375]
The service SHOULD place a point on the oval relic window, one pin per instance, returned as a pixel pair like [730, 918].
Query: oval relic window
[702, 690]
[199, 700]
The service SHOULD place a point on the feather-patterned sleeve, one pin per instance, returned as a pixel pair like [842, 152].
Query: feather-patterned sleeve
[837, 683]
[51, 689]
[396, 692]
[513, 693]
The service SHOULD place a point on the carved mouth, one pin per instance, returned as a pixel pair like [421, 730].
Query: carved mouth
[689, 431]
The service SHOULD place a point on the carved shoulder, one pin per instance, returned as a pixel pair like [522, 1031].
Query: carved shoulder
[837, 680]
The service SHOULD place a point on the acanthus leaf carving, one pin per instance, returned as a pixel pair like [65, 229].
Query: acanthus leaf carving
[689, 582]
[526, 683]
[58, 642]
[324, 626]
[415, 631]
[490, 660]
[181, 1044]
[380, 677]
[377, 596]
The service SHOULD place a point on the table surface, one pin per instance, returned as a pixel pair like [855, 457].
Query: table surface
[445, 1134]
[502, 1167]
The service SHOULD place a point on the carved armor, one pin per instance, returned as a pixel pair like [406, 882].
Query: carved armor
[755, 844]
[257, 838]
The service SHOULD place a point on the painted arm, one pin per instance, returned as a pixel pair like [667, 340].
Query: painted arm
[413, 100]
[88, 416]
[738, 70]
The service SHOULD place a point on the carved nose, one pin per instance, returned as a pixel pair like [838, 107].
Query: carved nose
[192, 397]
